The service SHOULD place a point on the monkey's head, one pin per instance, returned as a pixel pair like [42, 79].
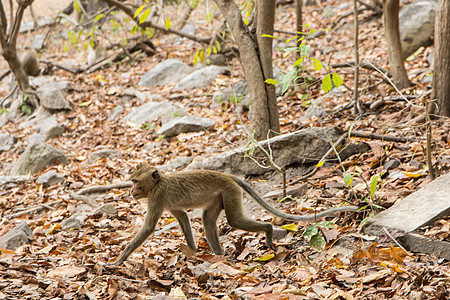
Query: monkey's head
[144, 179]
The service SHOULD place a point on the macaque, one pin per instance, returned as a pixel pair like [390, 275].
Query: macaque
[96, 53]
[30, 62]
[211, 190]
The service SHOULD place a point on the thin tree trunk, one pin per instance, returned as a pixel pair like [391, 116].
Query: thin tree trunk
[299, 21]
[357, 107]
[441, 78]
[263, 114]
[394, 46]
[266, 20]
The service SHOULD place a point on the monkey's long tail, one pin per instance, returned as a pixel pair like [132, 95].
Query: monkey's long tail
[286, 216]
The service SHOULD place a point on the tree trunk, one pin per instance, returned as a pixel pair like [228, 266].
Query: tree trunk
[264, 112]
[266, 20]
[299, 22]
[394, 46]
[441, 78]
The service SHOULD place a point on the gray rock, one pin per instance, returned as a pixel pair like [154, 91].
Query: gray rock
[108, 209]
[151, 111]
[168, 71]
[52, 97]
[38, 41]
[180, 162]
[49, 178]
[416, 22]
[75, 221]
[46, 129]
[200, 78]
[54, 81]
[144, 96]
[300, 147]
[36, 157]
[17, 236]
[104, 153]
[115, 113]
[217, 59]
[7, 141]
[185, 124]
[237, 93]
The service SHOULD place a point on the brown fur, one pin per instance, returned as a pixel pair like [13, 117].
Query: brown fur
[211, 190]
[30, 62]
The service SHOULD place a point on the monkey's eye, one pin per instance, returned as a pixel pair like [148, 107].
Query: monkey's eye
[134, 181]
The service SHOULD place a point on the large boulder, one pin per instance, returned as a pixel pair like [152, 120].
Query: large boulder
[417, 25]
[46, 129]
[36, 157]
[168, 71]
[200, 78]
[151, 111]
[300, 147]
[185, 124]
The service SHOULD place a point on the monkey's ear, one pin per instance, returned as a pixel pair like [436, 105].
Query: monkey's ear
[155, 175]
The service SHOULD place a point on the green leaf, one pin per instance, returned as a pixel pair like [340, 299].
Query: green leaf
[326, 83]
[348, 178]
[168, 23]
[201, 55]
[271, 81]
[287, 79]
[290, 227]
[219, 47]
[327, 224]
[196, 58]
[310, 231]
[320, 163]
[317, 241]
[76, 6]
[298, 61]
[337, 80]
[270, 36]
[265, 257]
[98, 17]
[358, 169]
[151, 33]
[317, 64]
[208, 50]
[246, 21]
[138, 11]
[366, 220]
[144, 16]
[373, 185]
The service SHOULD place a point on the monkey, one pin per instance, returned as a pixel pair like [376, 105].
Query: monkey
[30, 62]
[96, 53]
[211, 190]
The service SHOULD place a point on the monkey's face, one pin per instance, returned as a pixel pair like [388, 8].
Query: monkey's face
[144, 179]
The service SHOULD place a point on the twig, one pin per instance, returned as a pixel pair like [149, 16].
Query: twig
[105, 188]
[392, 238]
[375, 136]
[369, 66]
[429, 158]
[34, 208]
[324, 157]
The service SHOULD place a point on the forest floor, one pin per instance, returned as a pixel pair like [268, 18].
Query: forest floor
[69, 264]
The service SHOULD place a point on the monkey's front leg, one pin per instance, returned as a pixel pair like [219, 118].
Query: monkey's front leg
[151, 218]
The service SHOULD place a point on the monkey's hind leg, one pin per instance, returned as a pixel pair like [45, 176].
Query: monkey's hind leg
[237, 218]
[209, 218]
[185, 225]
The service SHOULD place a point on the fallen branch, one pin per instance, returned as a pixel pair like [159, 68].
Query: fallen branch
[375, 136]
[369, 66]
[105, 188]
[34, 208]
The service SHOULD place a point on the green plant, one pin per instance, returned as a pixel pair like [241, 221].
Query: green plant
[314, 235]
[298, 68]
[372, 188]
